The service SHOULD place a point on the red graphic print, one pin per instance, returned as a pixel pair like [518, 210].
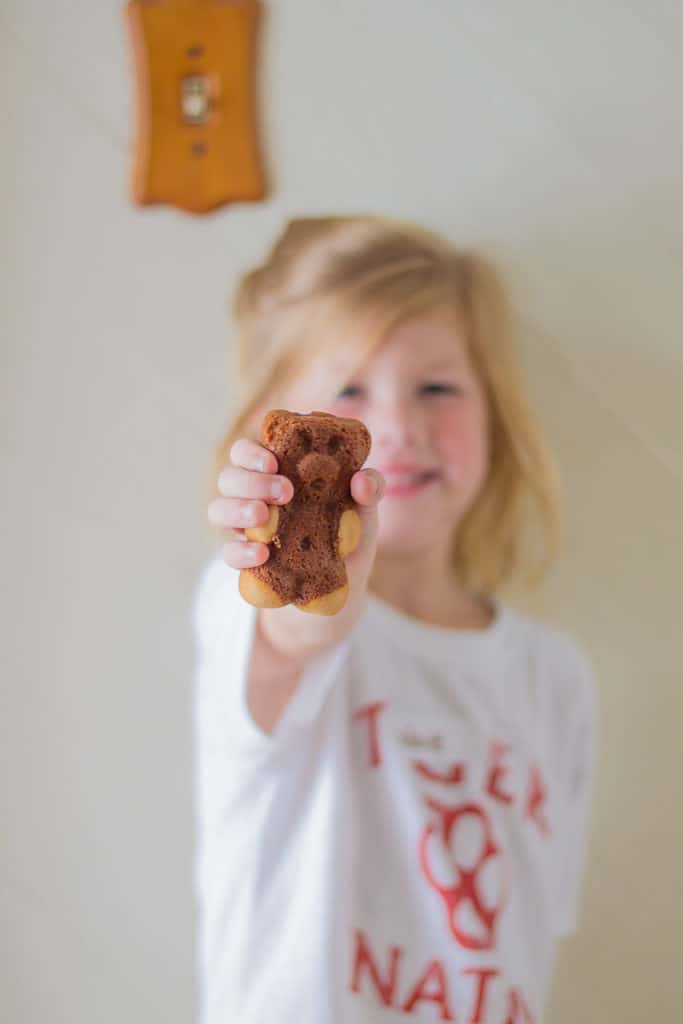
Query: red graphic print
[517, 1010]
[381, 974]
[536, 800]
[497, 772]
[454, 775]
[446, 848]
[437, 992]
[484, 975]
[465, 890]
[371, 712]
[364, 960]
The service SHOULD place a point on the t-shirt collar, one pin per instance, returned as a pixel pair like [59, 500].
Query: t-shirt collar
[407, 631]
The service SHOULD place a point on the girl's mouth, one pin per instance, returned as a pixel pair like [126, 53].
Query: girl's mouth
[402, 485]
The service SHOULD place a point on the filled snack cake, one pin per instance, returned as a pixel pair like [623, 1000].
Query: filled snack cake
[310, 536]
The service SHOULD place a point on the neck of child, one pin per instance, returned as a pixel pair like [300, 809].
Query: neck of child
[428, 592]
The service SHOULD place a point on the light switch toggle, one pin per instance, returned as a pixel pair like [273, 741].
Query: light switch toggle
[195, 98]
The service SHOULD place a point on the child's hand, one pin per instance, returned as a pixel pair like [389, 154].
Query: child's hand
[246, 486]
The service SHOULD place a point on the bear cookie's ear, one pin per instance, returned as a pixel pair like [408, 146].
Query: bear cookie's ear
[278, 423]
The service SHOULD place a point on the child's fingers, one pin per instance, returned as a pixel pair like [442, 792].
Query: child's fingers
[367, 486]
[251, 455]
[235, 513]
[243, 555]
[236, 482]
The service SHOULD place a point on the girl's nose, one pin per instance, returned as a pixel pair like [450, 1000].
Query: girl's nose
[397, 425]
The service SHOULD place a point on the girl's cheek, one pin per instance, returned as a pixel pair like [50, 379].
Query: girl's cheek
[460, 440]
[449, 430]
[347, 407]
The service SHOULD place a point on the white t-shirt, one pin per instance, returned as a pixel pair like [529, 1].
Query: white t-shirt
[409, 842]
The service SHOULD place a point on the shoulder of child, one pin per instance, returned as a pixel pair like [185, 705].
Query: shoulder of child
[570, 664]
[215, 580]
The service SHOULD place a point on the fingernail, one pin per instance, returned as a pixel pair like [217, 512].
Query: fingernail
[276, 490]
[249, 514]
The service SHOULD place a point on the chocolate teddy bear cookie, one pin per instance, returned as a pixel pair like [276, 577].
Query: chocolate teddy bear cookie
[311, 535]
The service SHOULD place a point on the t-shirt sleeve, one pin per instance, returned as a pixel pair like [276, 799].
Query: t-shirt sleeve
[580, 767]
[232, 756]
[206, 601]
[224, 625]
[227, 747]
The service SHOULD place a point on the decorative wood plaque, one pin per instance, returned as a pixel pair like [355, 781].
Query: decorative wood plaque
[196, 140]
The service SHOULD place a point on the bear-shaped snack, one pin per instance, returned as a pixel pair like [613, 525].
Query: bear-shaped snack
[310, 536]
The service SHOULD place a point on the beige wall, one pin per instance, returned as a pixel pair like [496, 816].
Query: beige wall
[548, 133]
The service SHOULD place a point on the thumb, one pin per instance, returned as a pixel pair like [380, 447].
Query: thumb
[367, 486]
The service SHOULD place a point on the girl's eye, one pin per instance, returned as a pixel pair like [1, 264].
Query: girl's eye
[344, 393]
[434, 389]
[446, 389]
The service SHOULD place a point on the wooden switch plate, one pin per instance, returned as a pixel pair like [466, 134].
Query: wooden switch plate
[196, 138]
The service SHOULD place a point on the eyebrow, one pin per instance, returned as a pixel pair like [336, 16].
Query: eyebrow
[443, 364]
[450, 364]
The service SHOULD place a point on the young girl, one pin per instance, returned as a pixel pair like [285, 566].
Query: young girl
[393, 801]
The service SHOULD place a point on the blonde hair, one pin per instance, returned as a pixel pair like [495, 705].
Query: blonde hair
[347, 281]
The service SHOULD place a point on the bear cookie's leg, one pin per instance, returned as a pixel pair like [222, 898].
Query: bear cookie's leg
[258, 593]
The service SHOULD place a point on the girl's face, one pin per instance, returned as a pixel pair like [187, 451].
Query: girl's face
[424, 405]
